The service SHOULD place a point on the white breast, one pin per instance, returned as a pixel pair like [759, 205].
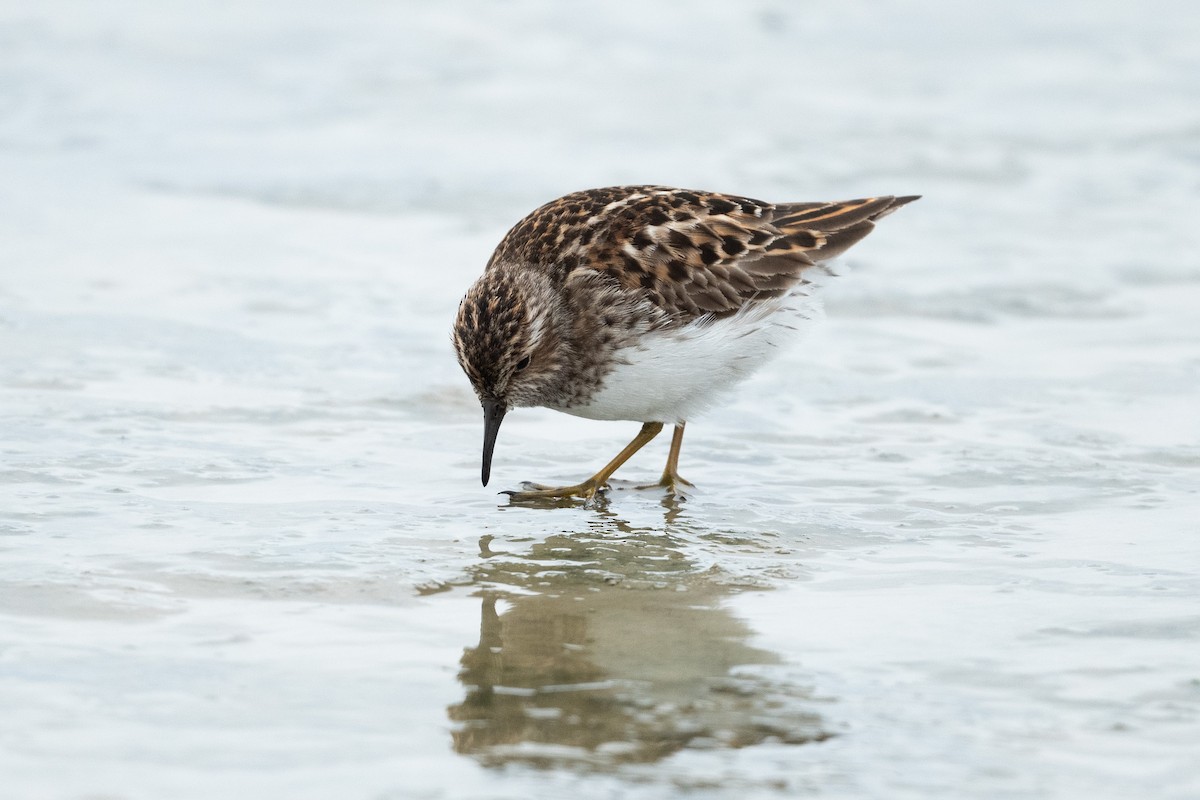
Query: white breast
[670, 376]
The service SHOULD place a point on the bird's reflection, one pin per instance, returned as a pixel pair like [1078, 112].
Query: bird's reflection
[610, 646]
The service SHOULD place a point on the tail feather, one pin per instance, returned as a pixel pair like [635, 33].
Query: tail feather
[826, 230]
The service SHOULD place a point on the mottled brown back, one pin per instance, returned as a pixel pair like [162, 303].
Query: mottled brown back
[689, 252]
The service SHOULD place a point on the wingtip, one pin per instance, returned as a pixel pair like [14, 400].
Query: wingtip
[895, 203]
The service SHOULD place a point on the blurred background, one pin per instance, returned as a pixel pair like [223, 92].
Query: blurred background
[946, 548]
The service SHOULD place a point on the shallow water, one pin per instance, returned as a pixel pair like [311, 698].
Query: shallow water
[947, 547]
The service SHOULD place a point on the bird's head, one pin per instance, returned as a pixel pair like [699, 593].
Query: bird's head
[510, 340]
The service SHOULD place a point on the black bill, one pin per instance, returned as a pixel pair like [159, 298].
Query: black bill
[493, 415]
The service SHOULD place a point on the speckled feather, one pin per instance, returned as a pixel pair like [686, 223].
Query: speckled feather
[690, 253]
[583, 285]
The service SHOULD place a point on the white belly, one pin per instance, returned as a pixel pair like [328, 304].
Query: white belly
[670, 376]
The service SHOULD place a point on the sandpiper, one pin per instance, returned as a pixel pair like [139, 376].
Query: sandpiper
[644, 303]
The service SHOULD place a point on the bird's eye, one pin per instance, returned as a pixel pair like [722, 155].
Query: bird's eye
[523, 363]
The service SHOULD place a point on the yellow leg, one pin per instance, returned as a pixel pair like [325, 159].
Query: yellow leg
[671, 480]
[588, 488]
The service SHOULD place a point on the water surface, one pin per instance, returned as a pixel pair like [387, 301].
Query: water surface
[947, 547]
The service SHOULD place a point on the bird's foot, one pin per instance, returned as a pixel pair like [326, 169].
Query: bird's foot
[673, 482]
[536, 491]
